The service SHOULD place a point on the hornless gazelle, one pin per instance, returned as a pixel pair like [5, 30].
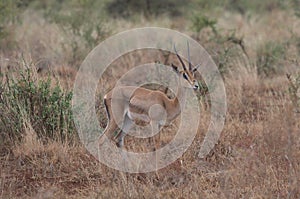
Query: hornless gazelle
[134, 105]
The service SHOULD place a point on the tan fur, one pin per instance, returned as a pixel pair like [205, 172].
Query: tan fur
[132, 105]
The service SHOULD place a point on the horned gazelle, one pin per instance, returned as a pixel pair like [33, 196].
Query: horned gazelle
[134, 105]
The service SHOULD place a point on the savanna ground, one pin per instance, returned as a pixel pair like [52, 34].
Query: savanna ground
[255, 44]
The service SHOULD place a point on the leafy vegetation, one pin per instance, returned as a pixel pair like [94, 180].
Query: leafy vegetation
[26, 99]
[120, 8]
[200, 22]
[81, 21]
[224, 43]
[270, 57]
[296, 6]
[254, 43]
[9, 17]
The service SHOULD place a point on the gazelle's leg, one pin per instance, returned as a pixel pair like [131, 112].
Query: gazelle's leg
[127, 124]
[116, 136]
[159, 140]
[155, 130]
[109, 131]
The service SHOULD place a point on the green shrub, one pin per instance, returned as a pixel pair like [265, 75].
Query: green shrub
[295, 4]
[270, 57]
[200, 22]
[226, 48]
[28, 99]
[82, 22]
[9, 16]
[204, 5]
[125, 9]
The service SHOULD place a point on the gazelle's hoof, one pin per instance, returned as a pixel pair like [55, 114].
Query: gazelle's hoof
[119, 145]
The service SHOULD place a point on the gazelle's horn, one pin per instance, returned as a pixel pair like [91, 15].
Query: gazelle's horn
[184, 68]
[195, 68]
[190, 64]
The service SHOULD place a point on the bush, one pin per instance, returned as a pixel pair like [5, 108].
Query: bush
[121, 8]
[270, 57]
[231, 53]
[83, 23]
[295, 4]
[200, 22]
[227, 49]
[9, 16]
[27, 99]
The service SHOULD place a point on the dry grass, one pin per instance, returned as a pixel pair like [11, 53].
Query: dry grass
[257, 156]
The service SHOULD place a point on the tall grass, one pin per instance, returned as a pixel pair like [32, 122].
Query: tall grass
[270, 58]
[257, 155]
[294, 90]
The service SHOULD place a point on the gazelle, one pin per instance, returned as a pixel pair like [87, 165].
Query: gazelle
[140, 105]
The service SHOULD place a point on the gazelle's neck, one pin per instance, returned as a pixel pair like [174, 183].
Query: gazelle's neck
[180, 97]
[177, 102]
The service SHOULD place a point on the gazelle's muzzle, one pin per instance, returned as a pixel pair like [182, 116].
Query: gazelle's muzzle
[195, 87]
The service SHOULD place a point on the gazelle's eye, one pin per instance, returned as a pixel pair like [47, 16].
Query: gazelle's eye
[184, 76]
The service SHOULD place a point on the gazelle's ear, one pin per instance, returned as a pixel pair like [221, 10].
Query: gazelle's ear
[175, 68]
